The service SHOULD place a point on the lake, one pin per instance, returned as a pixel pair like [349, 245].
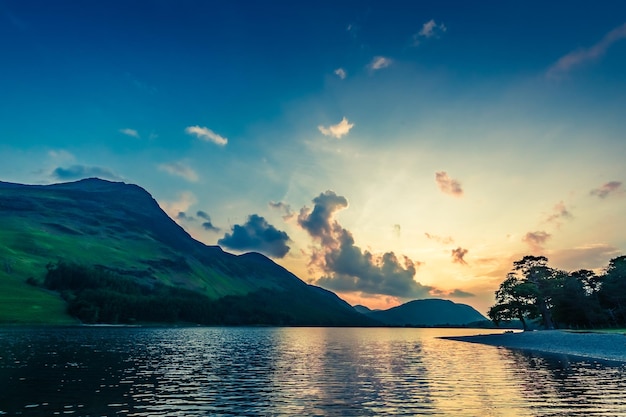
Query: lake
[201, 371]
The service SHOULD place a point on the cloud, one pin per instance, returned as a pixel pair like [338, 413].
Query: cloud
[284, 207]
[352, 29]
[337, 131]
[61, 156]
[582, 56]
[207, 224]
[448, 185]
[130, 132]
[605, 190]
[456, 293]
[536, 240]
[341, 73]
[446, 240]
[319, 221]
[379, 62]
[76, 172]
[461, 294]
[257, 235]
[590, 256]
[559, 212]
[180, 169]
[210, 227]
[458, 254]
[206, 134]
[349, 268]
[173, 208]
[429, 29]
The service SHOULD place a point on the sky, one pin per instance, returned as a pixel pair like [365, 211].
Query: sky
[384, 150]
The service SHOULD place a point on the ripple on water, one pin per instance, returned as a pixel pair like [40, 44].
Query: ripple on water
[292, 371]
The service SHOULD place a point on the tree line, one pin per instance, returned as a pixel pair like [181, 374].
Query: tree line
[533, 291]
[97, 295]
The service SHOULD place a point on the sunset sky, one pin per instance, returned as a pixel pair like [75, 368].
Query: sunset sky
[383, 150]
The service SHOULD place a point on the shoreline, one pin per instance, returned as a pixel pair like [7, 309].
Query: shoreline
[600, 346]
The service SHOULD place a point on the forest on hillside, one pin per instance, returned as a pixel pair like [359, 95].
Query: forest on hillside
[96, 295]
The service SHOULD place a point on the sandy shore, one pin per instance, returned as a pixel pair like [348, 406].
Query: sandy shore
[602, 346]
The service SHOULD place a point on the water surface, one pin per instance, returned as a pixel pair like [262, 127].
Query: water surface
[292, 371]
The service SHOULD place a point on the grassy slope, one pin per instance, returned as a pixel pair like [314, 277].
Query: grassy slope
[50, 227]
[113, 225]
[21, 303]
[45, 226]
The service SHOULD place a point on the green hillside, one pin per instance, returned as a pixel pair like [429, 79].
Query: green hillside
[119, 228]
[21, 303]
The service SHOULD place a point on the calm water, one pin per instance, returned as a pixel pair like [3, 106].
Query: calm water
[292, 371]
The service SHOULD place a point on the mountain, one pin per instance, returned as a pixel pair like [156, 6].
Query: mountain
[363, 309]
[427, 312]
[117, 233]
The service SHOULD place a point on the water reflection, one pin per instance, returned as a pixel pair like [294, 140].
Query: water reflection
[291, 371]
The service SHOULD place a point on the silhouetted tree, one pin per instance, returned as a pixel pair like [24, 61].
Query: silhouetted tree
[575, 303]
[527, 292]
[577, 299]
[535, 271]
[612, 292]
[515, 299]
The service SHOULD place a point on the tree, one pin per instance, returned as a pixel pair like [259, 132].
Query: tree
[527, 292]
[612, 292]
[515, 299]
[535, 271]
[575, 303]
[577, 299]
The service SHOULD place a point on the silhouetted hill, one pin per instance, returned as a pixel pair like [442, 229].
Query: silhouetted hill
[120, 229]
[362, 309]
[427, 312]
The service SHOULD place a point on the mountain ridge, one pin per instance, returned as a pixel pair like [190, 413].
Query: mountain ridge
[120, 228]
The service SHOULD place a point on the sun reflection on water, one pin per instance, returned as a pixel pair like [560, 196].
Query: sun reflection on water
[293, 371]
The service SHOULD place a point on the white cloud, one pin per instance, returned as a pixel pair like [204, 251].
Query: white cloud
[379, 62]
[337, 131]
[583, 55]
[341, 73]
[180, 169]
[429, 29]
[206, 134]
[130, 132]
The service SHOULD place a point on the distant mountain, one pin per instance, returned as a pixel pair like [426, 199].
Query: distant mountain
[118, 232]
[427, 312]
[362, 309]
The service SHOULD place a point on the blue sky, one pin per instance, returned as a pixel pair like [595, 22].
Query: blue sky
[382, 150]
